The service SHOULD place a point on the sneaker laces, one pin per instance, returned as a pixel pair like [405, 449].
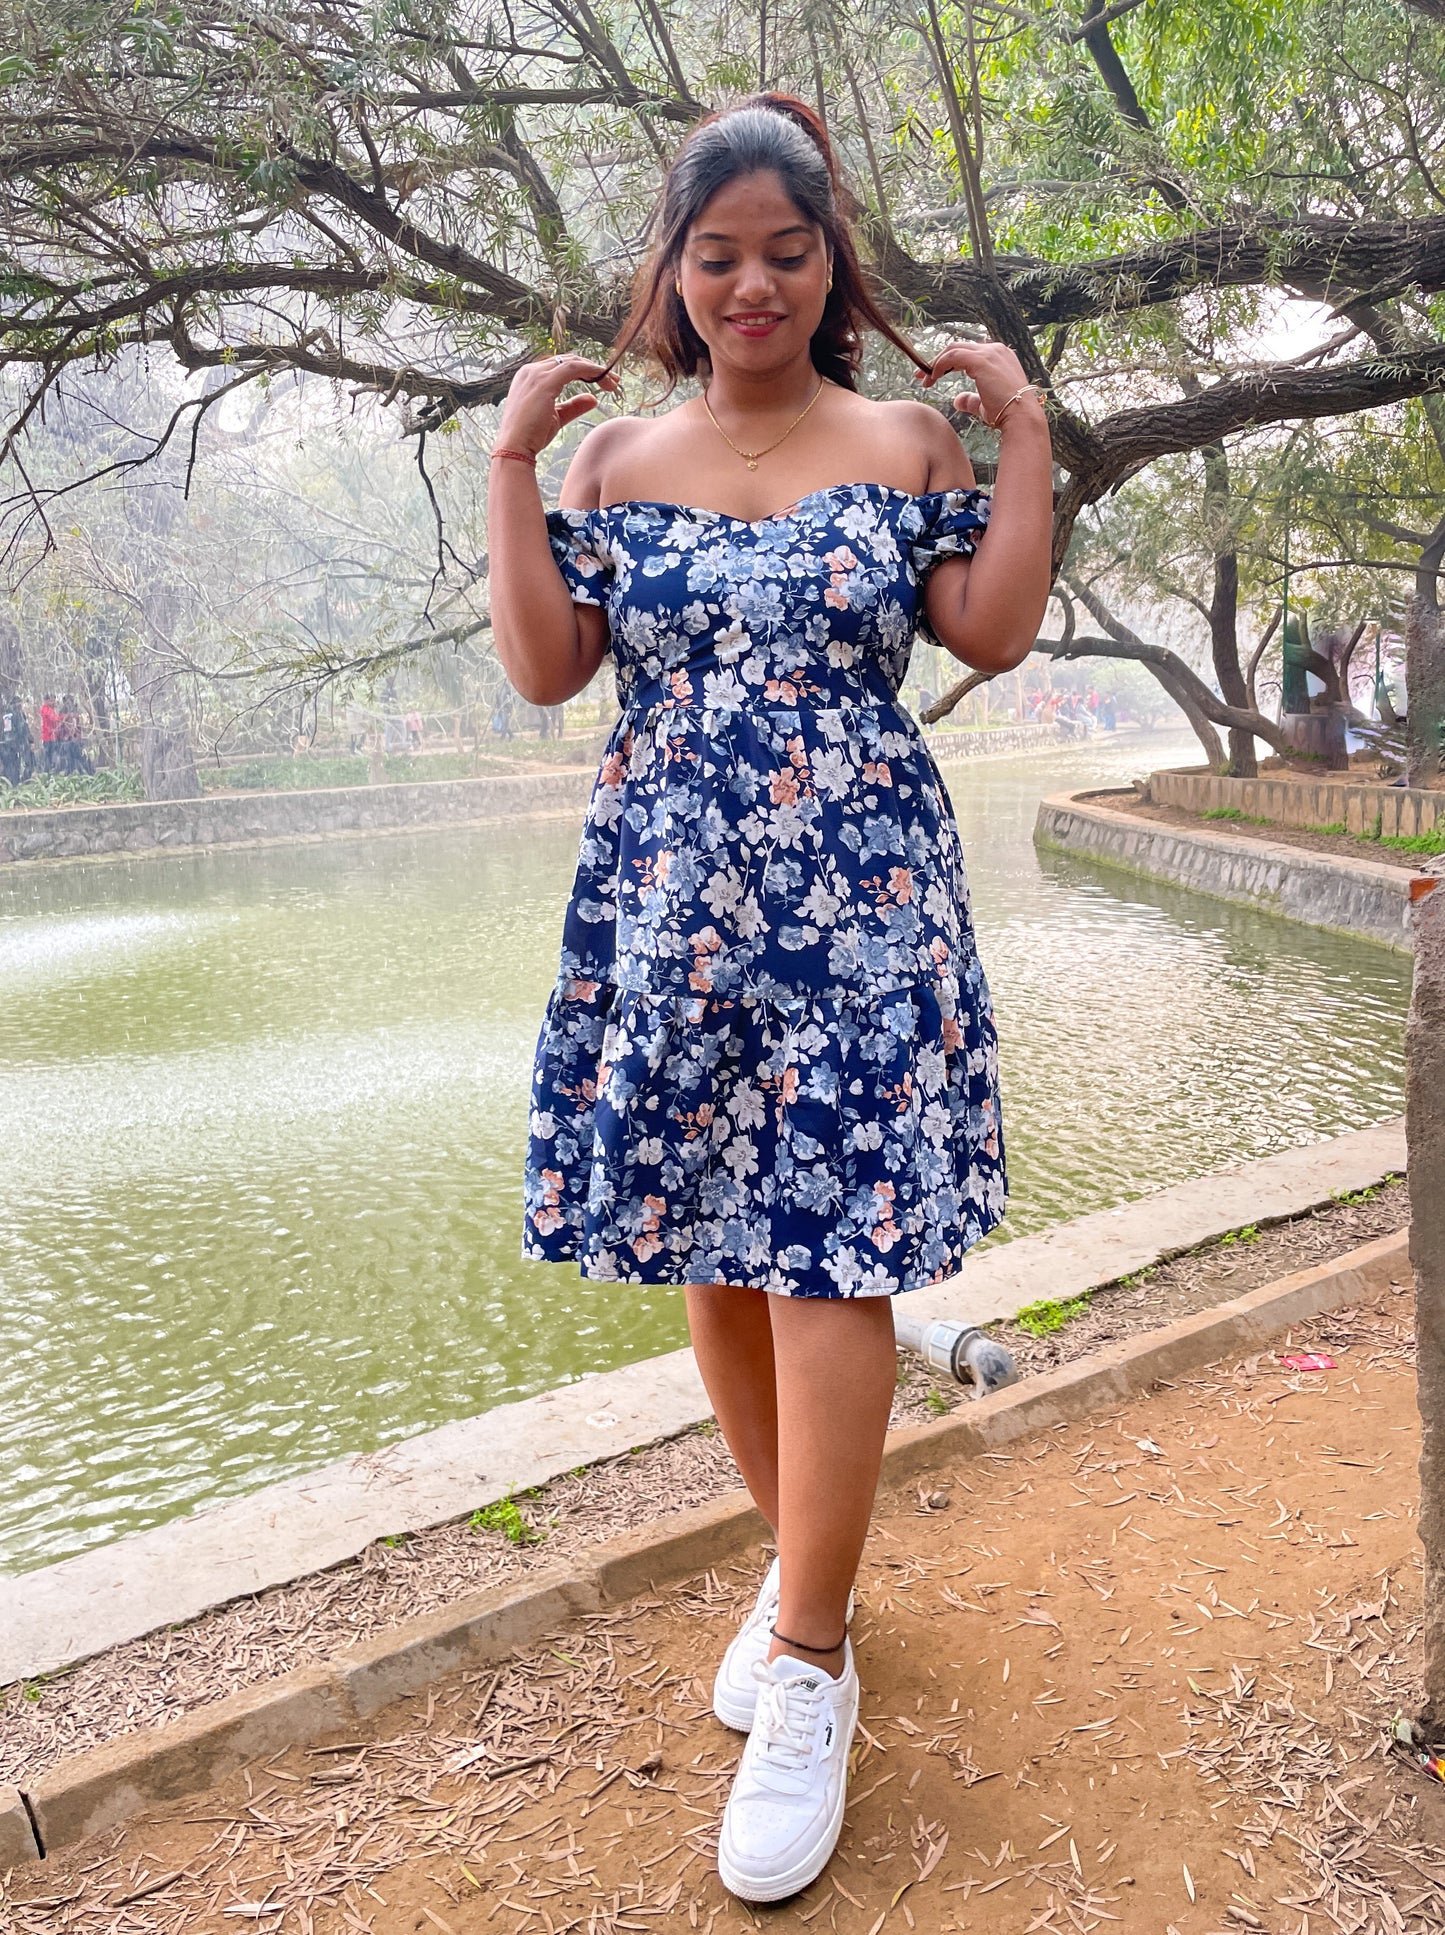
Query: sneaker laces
[781, 1743]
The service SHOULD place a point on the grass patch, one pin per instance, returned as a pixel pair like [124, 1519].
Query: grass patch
[1234, 813]
[1139, 1278]
[1334, 826]
[1249, 1234]
[105, 788]
[504, 1516]
[1043, 1319]
[1352, 1198]
[937, 1403]
[1433, 842]
[283, 774]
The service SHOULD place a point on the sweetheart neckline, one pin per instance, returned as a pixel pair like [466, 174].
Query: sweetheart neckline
[776, 517]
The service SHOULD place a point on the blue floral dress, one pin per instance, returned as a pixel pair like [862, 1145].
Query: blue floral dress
[769, 1059]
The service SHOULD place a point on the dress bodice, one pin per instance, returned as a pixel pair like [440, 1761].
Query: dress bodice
[767, 819]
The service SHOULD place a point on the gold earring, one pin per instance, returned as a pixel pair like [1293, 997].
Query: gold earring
[677, 284]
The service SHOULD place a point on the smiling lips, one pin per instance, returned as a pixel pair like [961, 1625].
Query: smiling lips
[762, 324]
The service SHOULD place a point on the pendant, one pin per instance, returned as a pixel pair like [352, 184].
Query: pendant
[752, 463]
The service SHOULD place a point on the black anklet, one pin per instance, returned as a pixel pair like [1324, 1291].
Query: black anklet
[809, 1649]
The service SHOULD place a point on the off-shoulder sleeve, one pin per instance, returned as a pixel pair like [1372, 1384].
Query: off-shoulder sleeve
[579, 548]
[953, 522]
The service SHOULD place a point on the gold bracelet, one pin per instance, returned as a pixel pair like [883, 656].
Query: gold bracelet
[1029, 389]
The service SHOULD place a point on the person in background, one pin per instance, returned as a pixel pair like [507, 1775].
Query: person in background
[49, 732]
[17, 754]
[355, 728]
[70, 737]
[413, 730]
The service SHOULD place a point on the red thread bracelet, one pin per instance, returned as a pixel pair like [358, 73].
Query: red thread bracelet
[521, 456]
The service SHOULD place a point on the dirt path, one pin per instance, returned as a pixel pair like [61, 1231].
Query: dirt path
[1136, 1677]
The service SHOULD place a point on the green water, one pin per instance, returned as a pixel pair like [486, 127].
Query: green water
[261, 1116]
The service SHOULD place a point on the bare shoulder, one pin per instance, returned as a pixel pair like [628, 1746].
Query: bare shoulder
[929, 432]
[605, 445]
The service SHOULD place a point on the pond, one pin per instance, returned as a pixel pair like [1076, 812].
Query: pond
[263, 1111]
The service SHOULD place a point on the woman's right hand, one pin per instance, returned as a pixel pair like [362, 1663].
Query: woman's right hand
[533, 413]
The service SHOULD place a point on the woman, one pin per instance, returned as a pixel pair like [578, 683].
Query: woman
[768, 1070]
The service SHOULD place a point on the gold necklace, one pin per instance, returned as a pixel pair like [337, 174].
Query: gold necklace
[750, 457]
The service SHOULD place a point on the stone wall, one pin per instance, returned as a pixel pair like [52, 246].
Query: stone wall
[978, 743]
[74, 832]
[1345, 895]
[1395, 811]
[151, 826]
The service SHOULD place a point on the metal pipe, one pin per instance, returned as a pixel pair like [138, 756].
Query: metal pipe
[963, 1350]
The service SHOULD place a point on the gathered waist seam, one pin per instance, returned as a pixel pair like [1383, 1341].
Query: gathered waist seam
[634, 709]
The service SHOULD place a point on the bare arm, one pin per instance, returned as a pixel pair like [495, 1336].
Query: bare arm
[550, 648]
[987, 610]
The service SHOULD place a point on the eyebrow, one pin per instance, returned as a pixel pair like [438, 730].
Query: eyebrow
[716, 235]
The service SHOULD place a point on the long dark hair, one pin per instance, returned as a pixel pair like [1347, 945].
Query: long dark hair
[781, 135]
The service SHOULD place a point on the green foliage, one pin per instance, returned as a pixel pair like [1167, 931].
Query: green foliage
[1250, 1233]
[104, 788]
[1043, 1319]
[1233, 813]
[504, 1516]
[1432, 842]
[1333, 826]
[286, 775]
[1352, 1198]
[1139, 1277]
[937, 1403]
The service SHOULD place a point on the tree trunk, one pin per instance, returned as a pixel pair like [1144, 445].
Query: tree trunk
[1224, 608]
[167, 758]
[1425, 668]
[1203, 731]
[167, 761]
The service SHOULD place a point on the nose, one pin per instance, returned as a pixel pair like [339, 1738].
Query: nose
[755, 283]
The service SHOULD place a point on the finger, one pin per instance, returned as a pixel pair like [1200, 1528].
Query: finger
[970, 404]
[575, 369]
[574, 407]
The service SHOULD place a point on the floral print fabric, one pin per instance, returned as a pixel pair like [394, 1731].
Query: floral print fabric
[769, 1059]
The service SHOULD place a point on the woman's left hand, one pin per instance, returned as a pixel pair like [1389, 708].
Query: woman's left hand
[997, 375]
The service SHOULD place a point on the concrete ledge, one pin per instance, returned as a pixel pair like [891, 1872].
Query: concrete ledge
[1359, 807]
[683, 1542]
[95, 1790]
[177, 825]
[17, 1837]
[469, 1632]
[1362, 898]
[109, 1784]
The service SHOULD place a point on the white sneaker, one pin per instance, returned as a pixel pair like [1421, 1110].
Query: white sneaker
[735, 1690]
[785, 1812]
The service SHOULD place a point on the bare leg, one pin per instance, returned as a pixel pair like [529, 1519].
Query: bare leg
[732, 1339]
[836, 1371]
